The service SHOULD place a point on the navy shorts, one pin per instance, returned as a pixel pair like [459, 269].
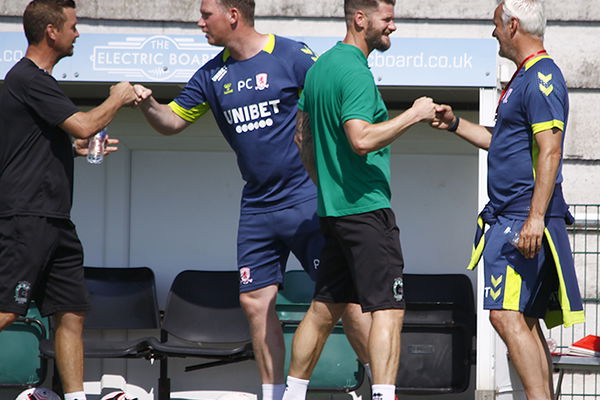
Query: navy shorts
[266, 239]
[362, 261]
[513, 282]
[41, 259]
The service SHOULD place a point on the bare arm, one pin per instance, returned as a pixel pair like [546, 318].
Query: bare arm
[82, 125]
[365, 137]
[304, 141]
[477, 135]
[159, 116]
[550, 154]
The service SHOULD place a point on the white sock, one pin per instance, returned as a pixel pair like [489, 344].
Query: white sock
[75, 396]
[367, 368]
[383, 392]
[296, 389]
[272, 391]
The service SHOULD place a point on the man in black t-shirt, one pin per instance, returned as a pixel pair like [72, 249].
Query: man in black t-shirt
[41, 257]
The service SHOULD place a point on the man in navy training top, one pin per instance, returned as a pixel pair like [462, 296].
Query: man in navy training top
[252, 88]
[535, 278]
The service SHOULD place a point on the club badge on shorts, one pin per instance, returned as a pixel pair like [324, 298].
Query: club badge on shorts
[398, 289]
[22, 292]
[245, 276]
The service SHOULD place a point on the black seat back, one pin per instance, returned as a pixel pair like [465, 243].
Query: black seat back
[437, 335]
[121, 298]
[204, 306]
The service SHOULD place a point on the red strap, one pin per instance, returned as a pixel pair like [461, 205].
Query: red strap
[515, 75]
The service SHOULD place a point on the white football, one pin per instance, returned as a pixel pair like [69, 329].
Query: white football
[119, 395]
[37, 394]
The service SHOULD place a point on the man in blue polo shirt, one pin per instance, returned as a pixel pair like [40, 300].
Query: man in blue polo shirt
[533, 277]
[252, 88]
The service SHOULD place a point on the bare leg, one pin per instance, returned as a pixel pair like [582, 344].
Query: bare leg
[546, 365]
[524, 351]
[357, 326]
[267, 337]
[6, 319]
[69, 350]
[384, 345]
[311, 335]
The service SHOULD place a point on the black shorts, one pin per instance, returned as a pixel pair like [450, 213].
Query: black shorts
[41, 259]
[362, 261]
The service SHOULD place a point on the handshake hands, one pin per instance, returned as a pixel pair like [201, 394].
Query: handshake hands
[130, 95]
[143, 94]
[439, 116]
[121, 94]
[124, 93]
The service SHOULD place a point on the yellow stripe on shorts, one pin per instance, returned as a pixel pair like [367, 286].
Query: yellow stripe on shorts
[512, 290]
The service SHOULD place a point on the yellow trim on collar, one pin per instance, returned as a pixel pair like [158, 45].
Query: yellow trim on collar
[269, 47]
[531, 62]
[270, 44]
[226, 54]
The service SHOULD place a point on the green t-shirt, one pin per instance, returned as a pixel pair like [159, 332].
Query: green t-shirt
[338, 88]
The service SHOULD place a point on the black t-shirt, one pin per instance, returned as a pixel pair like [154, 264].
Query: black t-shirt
[36, 159]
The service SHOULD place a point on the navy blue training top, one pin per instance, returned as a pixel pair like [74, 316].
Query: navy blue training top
[254, 103]
[536, 101]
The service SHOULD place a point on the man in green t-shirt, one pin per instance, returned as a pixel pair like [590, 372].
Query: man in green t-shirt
[362, 259]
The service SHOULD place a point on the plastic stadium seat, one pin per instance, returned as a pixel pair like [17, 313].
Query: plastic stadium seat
[338, 368]
[203, 318]
[437, 334]
[21, 364]
[120, 299]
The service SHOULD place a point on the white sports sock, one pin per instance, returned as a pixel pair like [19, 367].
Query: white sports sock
[383, 392]
[296, 389]
[75, 396]
[272, 391]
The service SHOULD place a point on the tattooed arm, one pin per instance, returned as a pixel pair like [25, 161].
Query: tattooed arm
[304, 141]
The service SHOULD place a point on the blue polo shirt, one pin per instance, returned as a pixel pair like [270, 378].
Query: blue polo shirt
[536, 101]
[254, 104]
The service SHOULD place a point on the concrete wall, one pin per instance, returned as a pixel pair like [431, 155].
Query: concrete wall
[163, 10]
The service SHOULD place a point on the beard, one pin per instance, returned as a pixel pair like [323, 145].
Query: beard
[377, 40]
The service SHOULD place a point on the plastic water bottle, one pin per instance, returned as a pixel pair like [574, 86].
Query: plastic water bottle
[512, 237]
[96, 147]
[552, 345]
